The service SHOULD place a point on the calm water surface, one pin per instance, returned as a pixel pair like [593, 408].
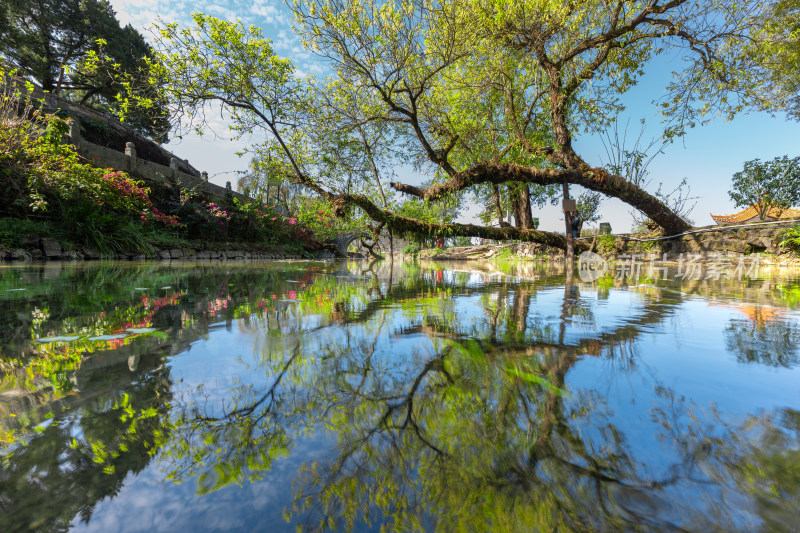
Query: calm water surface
[270, 397]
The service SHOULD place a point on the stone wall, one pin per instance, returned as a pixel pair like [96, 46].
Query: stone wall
[148, 170]
[707, 241]
[36, 249]
[179, 172]
[702, 244]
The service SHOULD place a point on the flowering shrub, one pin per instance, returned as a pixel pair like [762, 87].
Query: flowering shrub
[202, 219]
[53, 172]
[273, 226]
[120, 192]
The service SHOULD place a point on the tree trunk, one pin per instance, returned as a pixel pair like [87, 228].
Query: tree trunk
[570, 257]
[514, 197]
[523, 208]
[499, 209]
[418, 227]
[595, 179]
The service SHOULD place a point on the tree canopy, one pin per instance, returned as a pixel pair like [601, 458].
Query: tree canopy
[77, 49]
[771, 186]
[477, 95]
[777, 50]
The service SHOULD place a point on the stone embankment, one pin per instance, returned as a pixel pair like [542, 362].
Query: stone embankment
[36, 249]
[517, 250]
[702, 244]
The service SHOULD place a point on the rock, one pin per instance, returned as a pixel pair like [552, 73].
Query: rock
[36, 254]
[29, 241]
[163, 254]
[50, 248]
[21, 255]
[5, 255]
[139, 257]
[176, 253]
[88, 253]
[738, 246]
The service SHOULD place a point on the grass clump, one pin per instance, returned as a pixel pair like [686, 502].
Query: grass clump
[13, 229]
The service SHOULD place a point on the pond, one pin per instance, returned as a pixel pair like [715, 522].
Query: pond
[410, 396]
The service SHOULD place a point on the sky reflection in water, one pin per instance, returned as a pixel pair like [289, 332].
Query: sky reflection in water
[156, 397]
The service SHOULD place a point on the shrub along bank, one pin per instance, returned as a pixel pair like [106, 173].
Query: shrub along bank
[50, 198]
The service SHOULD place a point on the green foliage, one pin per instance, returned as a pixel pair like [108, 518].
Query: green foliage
[460, 241]
[430, 212]
[504, 255]
[318, 215]
[776, 49]
[11, 229]
[771, 186]
[46, 36]
[588, 206]
[77, 50]
[412, 249]
[103, 230]
[790, 238]
[220, 60]
[606, 244]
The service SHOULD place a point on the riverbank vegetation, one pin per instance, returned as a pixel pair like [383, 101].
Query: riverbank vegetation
[485, 100]
[48, 190]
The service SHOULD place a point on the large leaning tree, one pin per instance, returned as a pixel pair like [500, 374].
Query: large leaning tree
[478, 94]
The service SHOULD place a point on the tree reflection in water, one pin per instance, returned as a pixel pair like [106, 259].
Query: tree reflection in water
[448, 395]
[763, 336]
[477, 429]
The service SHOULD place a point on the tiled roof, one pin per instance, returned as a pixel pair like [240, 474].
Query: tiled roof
[752, 212]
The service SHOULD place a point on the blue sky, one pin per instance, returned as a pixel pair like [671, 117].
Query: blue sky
[707, 156]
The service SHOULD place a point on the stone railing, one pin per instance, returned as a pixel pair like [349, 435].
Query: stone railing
[710, 241]
[179, 172]
[141, 168]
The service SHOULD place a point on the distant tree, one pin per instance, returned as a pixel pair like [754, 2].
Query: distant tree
[461, 241]
[769, 185]
[588, 205]
[46, 37]
[263, 180]
[77, 50]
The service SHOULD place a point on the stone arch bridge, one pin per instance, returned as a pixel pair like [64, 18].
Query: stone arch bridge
[342, 241]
